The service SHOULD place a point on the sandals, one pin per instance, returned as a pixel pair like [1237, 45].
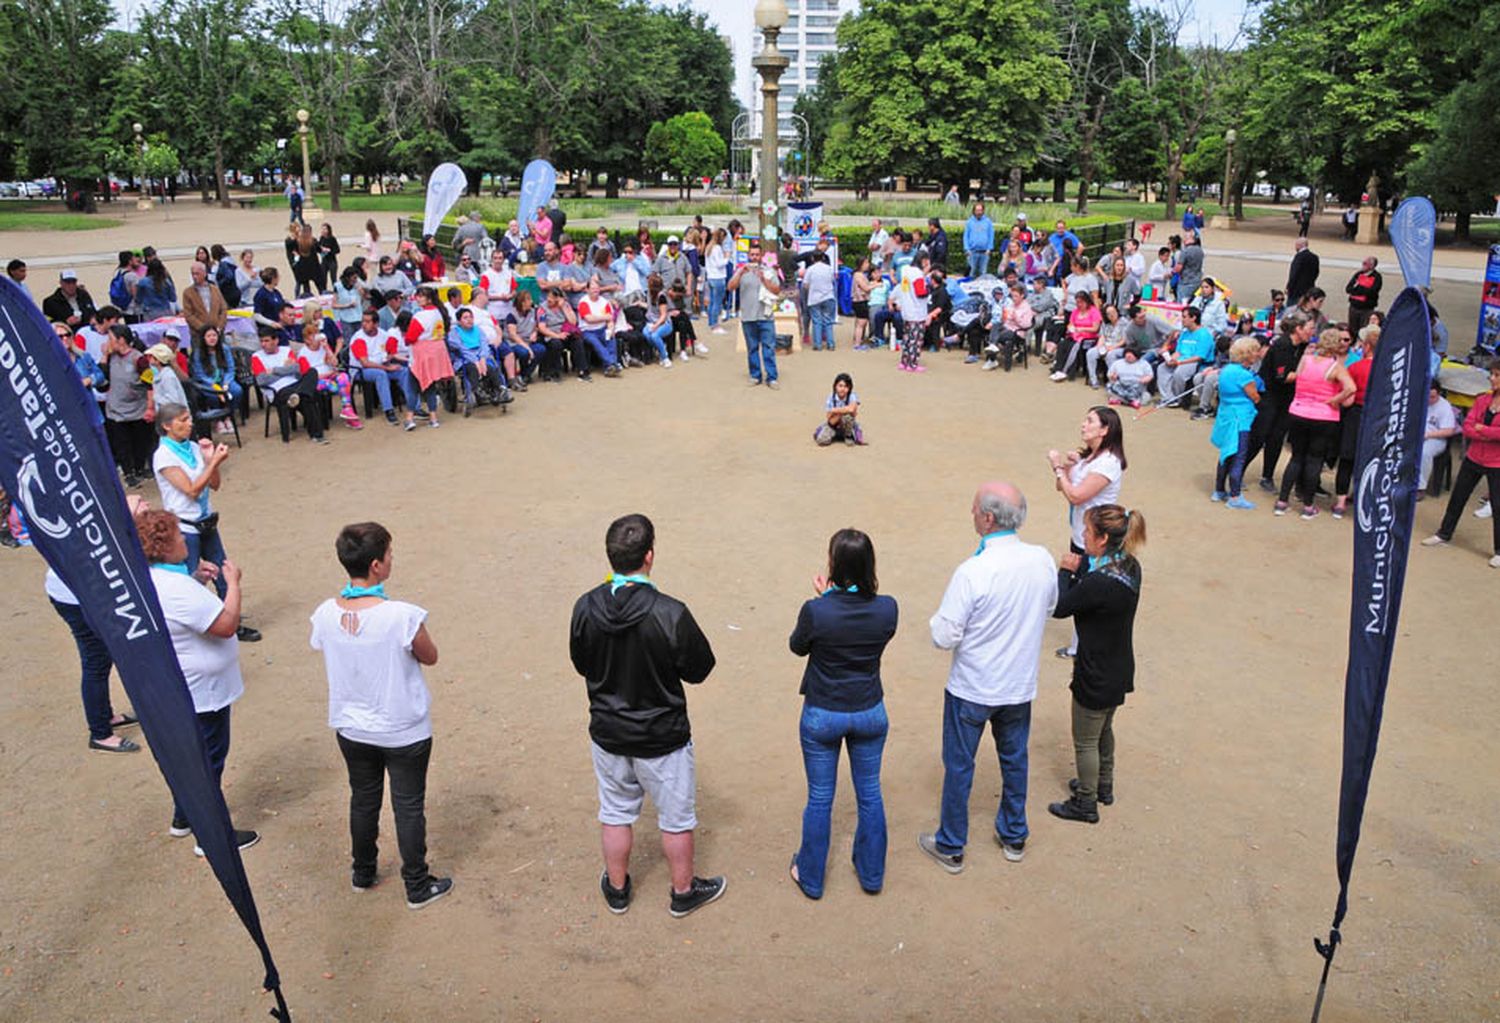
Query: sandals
[125, 746]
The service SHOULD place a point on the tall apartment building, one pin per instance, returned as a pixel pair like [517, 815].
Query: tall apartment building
[807, 37]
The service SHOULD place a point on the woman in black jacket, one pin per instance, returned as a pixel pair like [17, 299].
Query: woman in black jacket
[842, 632]
[1102, 603]
[328, 258]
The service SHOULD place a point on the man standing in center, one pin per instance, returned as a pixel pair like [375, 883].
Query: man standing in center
[635, 647]
[991, 617]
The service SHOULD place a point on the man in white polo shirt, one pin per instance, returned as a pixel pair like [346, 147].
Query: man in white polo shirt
[991, 617]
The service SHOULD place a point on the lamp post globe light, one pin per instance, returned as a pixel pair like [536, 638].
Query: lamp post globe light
[770, 18]
[143, 201]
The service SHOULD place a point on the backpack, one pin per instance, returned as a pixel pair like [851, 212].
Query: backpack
[228, 286]
[119, 294]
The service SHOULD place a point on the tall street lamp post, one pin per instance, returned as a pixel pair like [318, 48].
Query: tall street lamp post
[770, 18]
[1226, 204]
[309, 210]
[143, 201]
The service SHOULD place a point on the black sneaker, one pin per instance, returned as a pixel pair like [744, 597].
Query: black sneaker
[362, 883]
[6, 540]
[1269, 486]
[702, 891]
[1074, 809]
[245, 634]
[179, 828]
[390, 416]
[618, 899]
[243, 839]
[432, 889]
[504, 397]
[1107, 798]
[423, 414]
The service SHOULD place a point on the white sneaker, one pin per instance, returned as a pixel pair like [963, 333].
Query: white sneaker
[1484, 511]
[1058, 377]
[666, 364]
[990, 364]
[700, 347]
[718, 330]
[1495, 561]
[992, 348]
[685, 356]
[1434, 541]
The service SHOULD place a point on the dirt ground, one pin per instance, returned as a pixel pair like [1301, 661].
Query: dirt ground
[1196, 898]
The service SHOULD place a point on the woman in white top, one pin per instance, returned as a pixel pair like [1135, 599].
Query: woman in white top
[203, 630]
[374, 649]
[247, 277]
[1090, 476]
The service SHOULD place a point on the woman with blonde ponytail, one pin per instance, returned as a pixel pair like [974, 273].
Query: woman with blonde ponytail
[1100, 595]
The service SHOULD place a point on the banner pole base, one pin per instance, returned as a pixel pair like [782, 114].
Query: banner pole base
[1326, 951]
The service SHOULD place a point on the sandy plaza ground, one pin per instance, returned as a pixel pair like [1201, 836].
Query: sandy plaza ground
[1196, 897]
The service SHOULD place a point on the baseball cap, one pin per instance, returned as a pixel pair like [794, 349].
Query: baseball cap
[172, 335]
[672, 239]
[1021, 216]
[68, 275]
[159, 353]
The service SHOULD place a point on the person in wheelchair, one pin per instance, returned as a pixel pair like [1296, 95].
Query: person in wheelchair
[473, 362]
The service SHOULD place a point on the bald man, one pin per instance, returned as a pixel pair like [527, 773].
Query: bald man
[991, 617]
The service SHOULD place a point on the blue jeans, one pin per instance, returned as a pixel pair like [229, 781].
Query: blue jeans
[879, 320]
[94, 656]
[213, 726]
[605, 346]
[382, 378]
[963, 726]
[212, 550]
[979, 262]
[822, 324]
[760, 346]
[1232, 469]
[716, 299]
[658, 338]
[822, 731]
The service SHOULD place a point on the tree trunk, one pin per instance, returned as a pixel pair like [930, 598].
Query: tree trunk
[1059, 188]
[335, 184]
[1174, 183]
[1017, 187]
[543, 142]
[221, 187]
[1239, 199]
[1317, 196]
[612, 186]
[1461, 225]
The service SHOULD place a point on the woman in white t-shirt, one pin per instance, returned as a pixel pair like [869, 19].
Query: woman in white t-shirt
[374, 649]
[203, 630]
[1090, 476]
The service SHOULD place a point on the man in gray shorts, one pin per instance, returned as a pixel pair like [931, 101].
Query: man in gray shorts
[635, 647]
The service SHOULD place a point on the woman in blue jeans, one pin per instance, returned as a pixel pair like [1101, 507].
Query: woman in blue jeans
[842, 632]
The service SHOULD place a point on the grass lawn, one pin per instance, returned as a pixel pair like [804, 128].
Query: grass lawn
[23, 220]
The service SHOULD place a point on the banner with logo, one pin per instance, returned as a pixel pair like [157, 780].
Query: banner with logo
[444, 185]
[538, 182]
[1385, 501]
[802, 220]
[55, 464]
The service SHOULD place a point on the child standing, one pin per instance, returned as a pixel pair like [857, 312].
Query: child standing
[374, 649]
[839, 414]
[911, 298]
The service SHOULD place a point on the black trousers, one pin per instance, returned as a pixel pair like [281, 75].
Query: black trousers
[1312, 440]
[1268, 437]
[132, 442]
[308, 403]
[407, 765]
[1469, 474]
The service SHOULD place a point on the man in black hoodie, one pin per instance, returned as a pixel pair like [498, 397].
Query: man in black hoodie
[635, 646]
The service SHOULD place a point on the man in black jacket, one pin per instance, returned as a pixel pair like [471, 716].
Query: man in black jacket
[70, 303]
[1363, 290]
[635, 646]
[1302, 275]
[937, 243]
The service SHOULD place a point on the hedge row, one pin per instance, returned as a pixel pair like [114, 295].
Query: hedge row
[852, 241]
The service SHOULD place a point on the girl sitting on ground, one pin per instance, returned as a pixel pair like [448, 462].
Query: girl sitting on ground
[839, 414]
[1128, 377]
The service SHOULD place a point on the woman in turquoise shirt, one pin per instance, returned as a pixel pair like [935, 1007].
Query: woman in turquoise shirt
[1239, 394]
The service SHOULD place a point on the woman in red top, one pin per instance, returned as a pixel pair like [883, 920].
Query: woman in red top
[431, 262]
[426, 338]
[1482, 430]
[1359, 372]
[1083, 333]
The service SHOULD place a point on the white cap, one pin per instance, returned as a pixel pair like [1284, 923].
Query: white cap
[1021, 216]
[68, 275]
[672, 239]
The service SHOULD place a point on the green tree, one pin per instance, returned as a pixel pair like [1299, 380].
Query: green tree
[820, 107]
[945, 89]
[1096, 38]
[686, 146]
[1460, 176]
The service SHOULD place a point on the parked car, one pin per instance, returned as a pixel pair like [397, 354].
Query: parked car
[8, 190]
